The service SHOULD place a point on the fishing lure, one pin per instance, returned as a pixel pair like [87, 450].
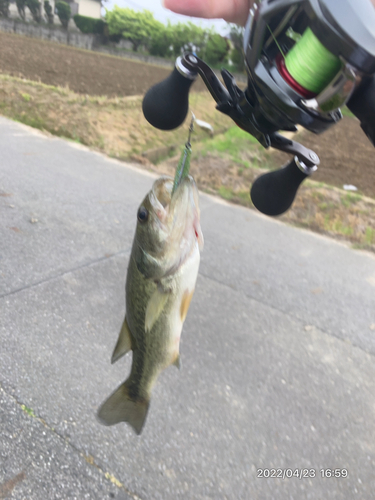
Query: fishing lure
[183, 166]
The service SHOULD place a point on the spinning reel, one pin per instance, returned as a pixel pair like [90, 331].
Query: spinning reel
[304, 60]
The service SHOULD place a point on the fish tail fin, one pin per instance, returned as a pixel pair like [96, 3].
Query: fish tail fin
[121, 407]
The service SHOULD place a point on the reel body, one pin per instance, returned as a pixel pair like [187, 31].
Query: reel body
[276, 31]
[304, 60]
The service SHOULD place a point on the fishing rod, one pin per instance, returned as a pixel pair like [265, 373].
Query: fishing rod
[304, 59]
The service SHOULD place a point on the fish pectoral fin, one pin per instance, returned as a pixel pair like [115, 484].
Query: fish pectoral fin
[120, 407]
[155, 307]
[124, 344]
[185, 303]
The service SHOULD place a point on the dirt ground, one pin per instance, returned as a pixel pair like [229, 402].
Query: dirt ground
[83, 71]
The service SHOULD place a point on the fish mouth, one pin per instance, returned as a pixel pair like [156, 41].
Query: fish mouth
[179, 216]
[162, 190]
[183, 201]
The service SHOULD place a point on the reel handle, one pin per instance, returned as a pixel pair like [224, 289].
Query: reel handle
[166, 104]
[273, 193]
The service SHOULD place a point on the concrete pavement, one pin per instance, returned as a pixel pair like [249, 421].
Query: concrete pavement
[277, 350]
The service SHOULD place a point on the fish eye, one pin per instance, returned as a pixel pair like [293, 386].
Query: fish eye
[142, 214]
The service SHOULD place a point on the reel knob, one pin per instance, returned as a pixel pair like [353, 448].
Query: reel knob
[273, 193]
[166, 104]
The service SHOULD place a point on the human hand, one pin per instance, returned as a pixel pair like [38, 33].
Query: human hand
[232, 11]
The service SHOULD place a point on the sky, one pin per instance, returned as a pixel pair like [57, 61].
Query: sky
[163, 15]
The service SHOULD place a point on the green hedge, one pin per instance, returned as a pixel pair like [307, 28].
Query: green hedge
[63, 12]
[89, 24]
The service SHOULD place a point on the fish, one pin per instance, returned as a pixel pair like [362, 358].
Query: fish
[160, 283]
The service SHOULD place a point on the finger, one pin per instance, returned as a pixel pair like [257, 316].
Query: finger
[233, 11]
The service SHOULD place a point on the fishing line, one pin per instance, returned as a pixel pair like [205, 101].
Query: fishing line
[277, 43]
[311, 64]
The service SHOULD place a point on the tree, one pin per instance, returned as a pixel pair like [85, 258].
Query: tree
[21, 5]
[35, 8]
[161, 41]
[137, 27]
[188, 37]
[217, 49]
[236, 36]
[63, 12]
[48, 11]
[4, 8]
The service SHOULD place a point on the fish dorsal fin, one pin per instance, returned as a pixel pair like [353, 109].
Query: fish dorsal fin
[124, 344]
[154, 308]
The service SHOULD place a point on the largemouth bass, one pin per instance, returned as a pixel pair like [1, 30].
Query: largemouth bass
[160, 283]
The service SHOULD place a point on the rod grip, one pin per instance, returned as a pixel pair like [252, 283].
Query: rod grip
[362, 105]
[166, 104]
[273, 193]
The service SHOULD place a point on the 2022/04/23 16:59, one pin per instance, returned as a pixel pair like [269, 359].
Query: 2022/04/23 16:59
[301, 473]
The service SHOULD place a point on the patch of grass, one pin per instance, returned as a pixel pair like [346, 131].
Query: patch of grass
[370, 235]
[30, 120]
[318, 196]
[113, 479]
[28, 410]
[337, 227]
[26, 97]
[350, 199]
[233, 144]
[241, 197]
[244, 196]
[326, 206]
[346, 112]
[225, 192]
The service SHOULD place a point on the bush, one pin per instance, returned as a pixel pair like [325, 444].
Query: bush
[89, 24]
[4, 8]
[64, 12]
[21, 5]
[48, 11]
[34, 7]
[217, 49]
[237, 58]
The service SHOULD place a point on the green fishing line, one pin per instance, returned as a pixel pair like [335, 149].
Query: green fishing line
[311, 64]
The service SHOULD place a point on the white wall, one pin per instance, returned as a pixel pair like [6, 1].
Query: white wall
[90, 8]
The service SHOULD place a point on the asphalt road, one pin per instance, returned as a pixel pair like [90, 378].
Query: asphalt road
[277, 350]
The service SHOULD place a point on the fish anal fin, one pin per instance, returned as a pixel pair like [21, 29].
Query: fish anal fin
[154, 308]
[177, 362]
[121, 407]
[185, 303]
[124, 344]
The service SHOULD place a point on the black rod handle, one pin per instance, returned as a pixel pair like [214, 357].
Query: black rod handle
[166, 104]
[273, 193]
[362, 105]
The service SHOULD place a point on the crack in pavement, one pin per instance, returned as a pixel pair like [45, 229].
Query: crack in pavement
[88, 458]
[288, 314]
[67, 271]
